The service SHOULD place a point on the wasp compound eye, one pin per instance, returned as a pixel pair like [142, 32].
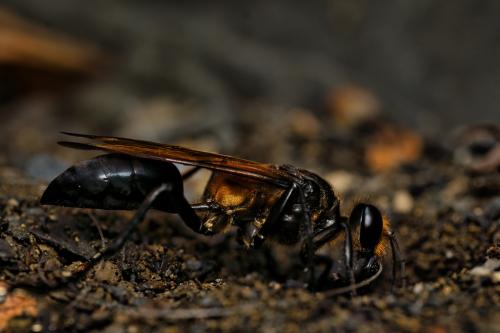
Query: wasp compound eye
[370, 225]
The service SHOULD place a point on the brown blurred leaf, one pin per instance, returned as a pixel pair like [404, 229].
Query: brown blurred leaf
[391, 147]
[304, 124]
[351, 105]
[24, 43]
[16, 303]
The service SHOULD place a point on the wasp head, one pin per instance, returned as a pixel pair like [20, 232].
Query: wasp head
[368, 230]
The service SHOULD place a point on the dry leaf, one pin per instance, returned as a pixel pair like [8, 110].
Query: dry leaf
[16, 303]
[391, 147]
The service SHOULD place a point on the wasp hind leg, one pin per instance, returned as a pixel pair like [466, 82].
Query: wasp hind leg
[328, 234]
[183, 209]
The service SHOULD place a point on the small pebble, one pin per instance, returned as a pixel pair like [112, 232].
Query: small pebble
[193, 265]
[488, 268]
[37, 327]
[11, 203]
[133, 329]
[209, 301]
[492, 209]
[3, 292]
[418, 288]
[454, 188]
[351, 105]
[391, 147]
[402, 202]
[66, 274]
[342, 181]
[107, 272]
[304, 124]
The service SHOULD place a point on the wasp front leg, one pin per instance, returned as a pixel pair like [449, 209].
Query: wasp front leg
[292, 203]
[323, 237]
[215, 217]
[320, 238]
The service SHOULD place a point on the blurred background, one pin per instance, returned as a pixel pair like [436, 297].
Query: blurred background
[395, 103]
[310, 83]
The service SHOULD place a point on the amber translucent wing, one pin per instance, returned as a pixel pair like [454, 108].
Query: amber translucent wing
[176, 154]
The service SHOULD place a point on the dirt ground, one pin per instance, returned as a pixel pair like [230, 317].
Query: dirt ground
[444, 206]
[367, 95]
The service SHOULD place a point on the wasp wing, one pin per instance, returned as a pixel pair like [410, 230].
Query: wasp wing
[176, 154]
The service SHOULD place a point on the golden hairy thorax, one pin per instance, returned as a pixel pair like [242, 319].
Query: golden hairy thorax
[247, 203]
[241, 198]
[233, 192]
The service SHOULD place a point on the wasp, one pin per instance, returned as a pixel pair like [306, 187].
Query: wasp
[265, 202]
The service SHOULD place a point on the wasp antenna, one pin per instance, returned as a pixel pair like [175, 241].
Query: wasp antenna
[353, 287]
[77, 145]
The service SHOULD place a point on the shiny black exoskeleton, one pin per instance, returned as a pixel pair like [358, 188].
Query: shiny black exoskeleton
[280, 203]
[116, 181]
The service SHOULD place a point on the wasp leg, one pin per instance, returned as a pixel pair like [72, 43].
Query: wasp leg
[273, 220]
[308, 228]
[331, 233]
[348, 254]
[185, 211]
[397, 259]
[327, 262]
[318, 259]
[207, 207]
[216, 218]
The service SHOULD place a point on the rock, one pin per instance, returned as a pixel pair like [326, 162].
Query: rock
[492, 209]
[107, 272]
[304, 124]
[402, 202]
[342, 180]
[16, 303]
[486, 269]
[392, 146]
[194, 265]
[351, 105]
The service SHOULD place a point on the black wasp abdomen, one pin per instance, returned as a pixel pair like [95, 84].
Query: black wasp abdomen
[114, 181]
